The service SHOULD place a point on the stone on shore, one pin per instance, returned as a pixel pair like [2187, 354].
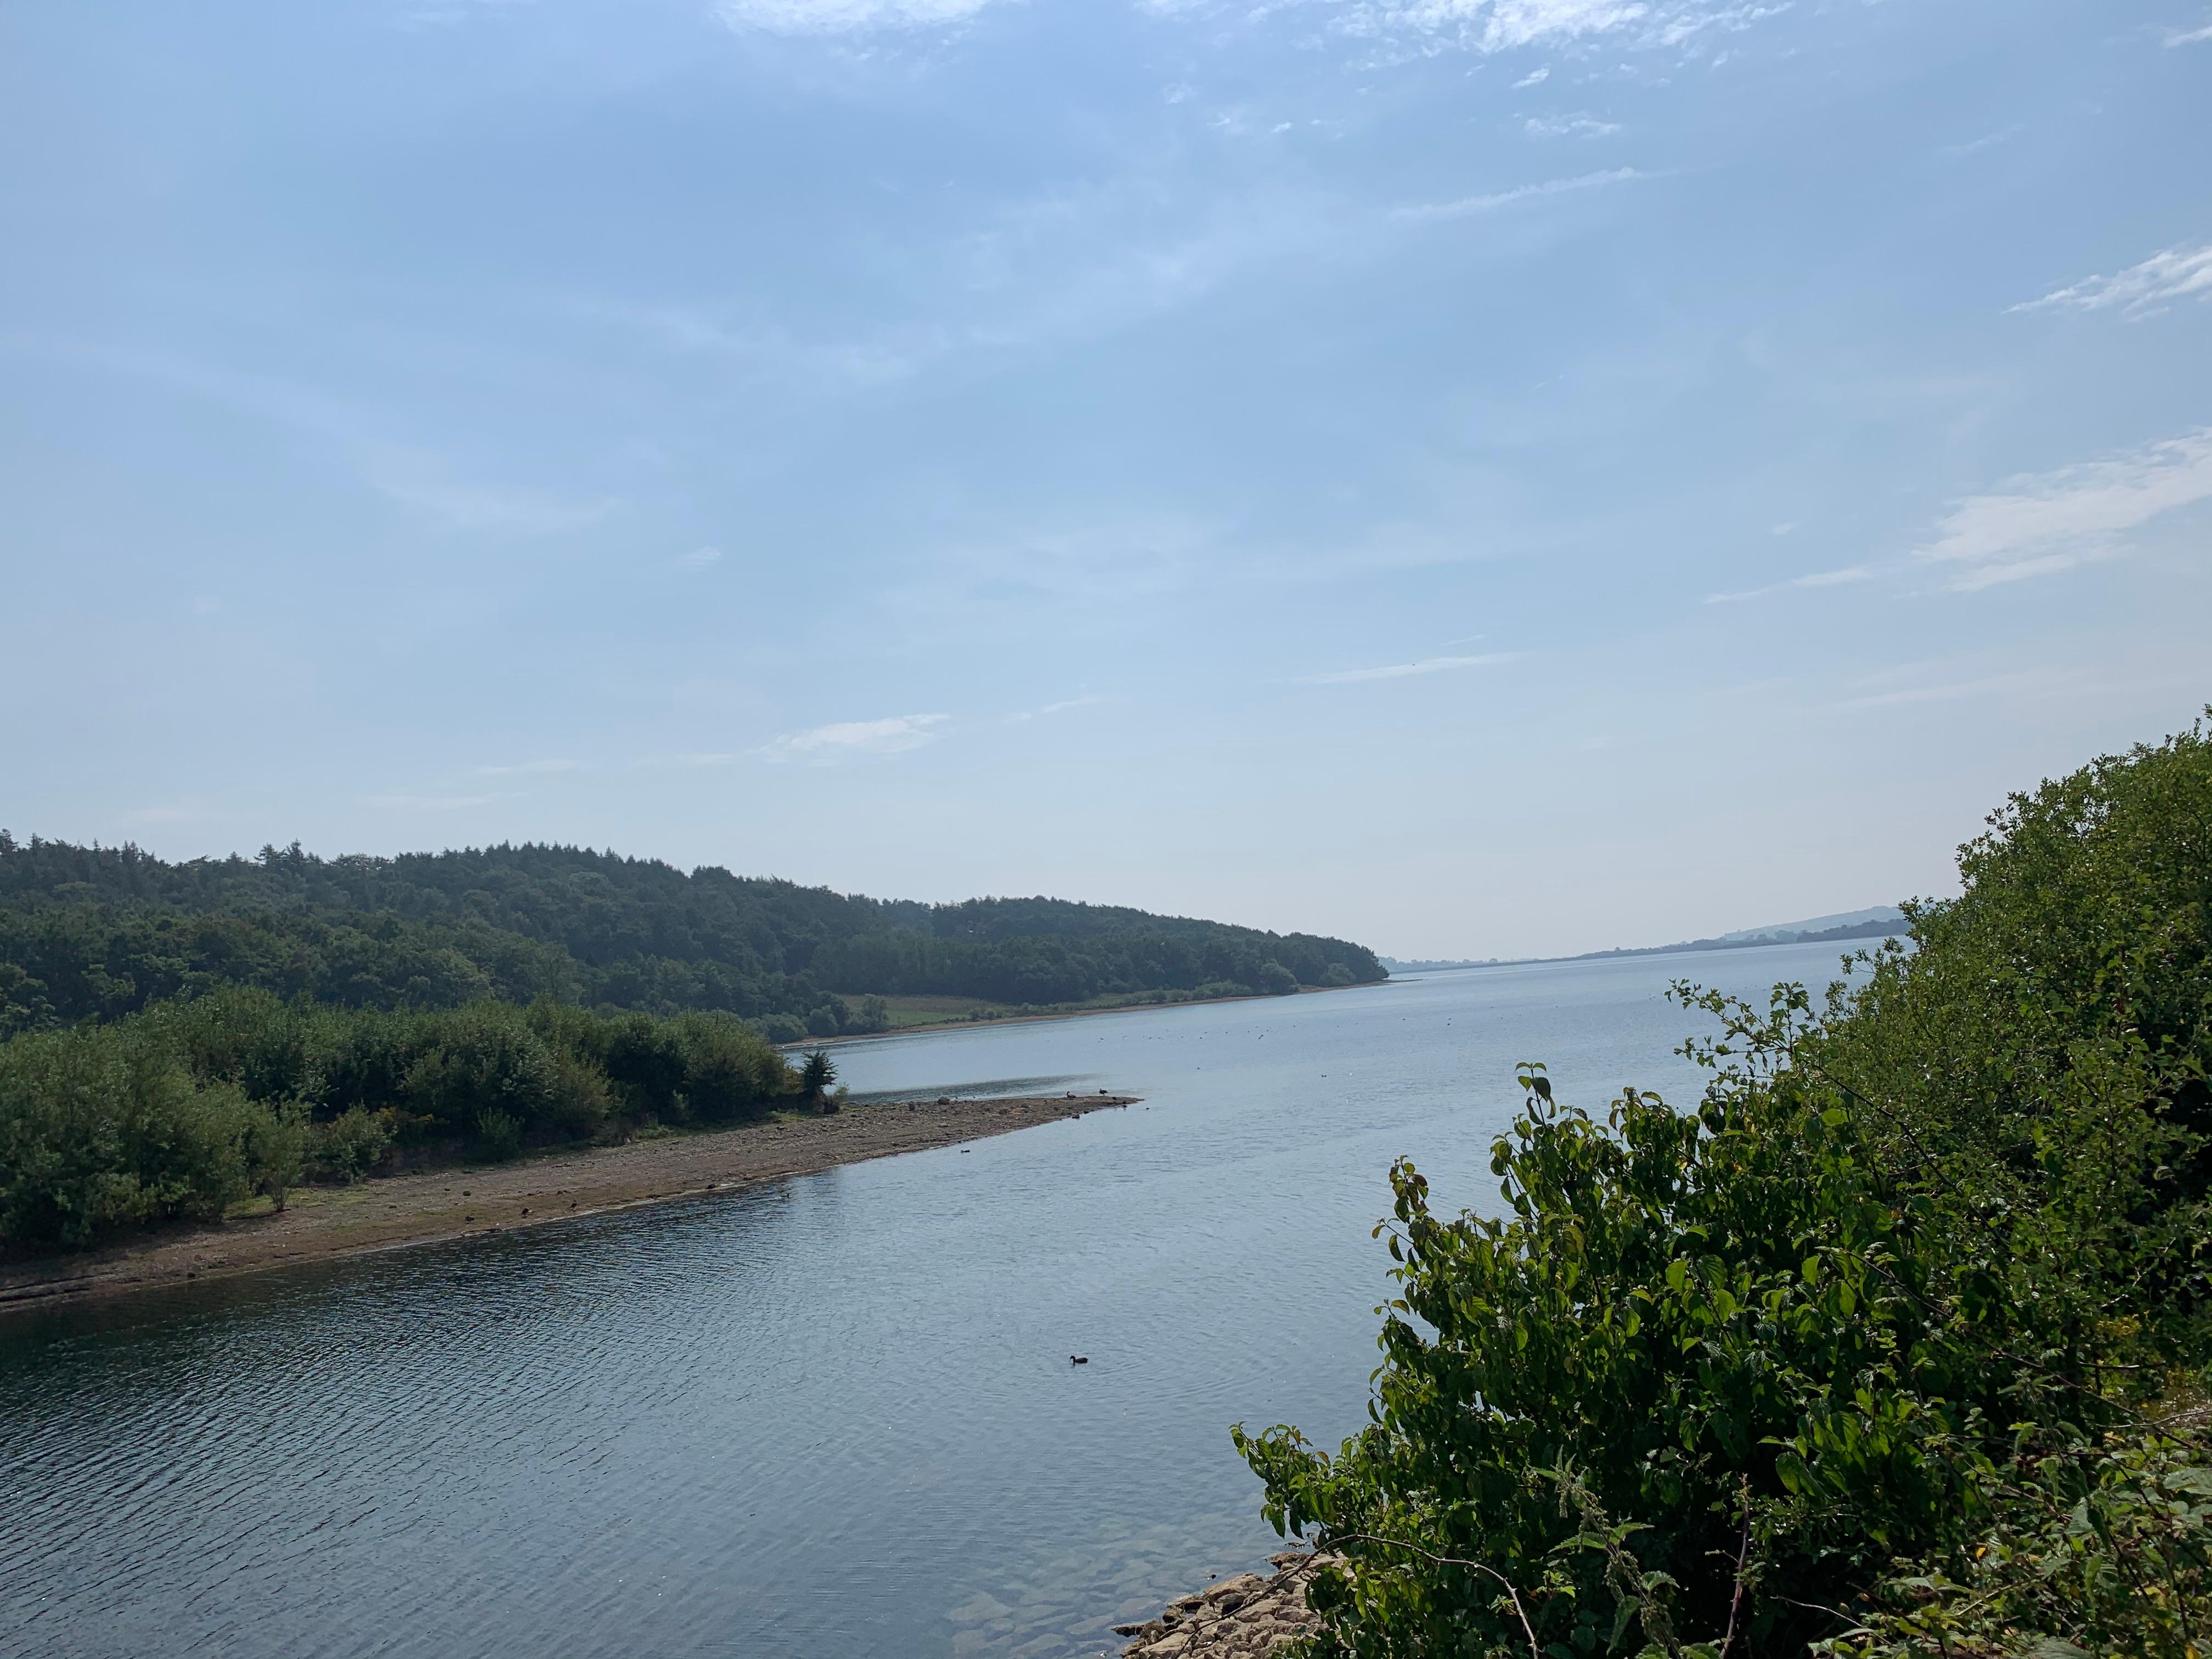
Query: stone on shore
[1245, 1615]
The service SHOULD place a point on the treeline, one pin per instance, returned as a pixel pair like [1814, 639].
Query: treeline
[184, 1109]
[91, 933]
[1899, 1344]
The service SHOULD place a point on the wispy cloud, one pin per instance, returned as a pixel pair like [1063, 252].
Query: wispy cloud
[1534, 78]
[1857, 573]
[1467, 204]
[690, 763]
[1987, 141]
[699, 558]
[428, 803]
[850, 739]
[422, 481]
[415, 478]
[1055, 707]
[843, 16]
[1492, 25]
[2032, 682]
[2036, 524]
[1398, 670]
[526, 768]
[1568, 127]
[2139, 290]
[2196, 37]
[1501, 25]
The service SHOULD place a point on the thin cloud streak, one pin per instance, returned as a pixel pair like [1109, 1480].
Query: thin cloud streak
[1467, 204]
[1055, 707]
[527, 768]
[2140, 291]
[1568, 127]
[821, 17]
[850, 739]
[1857, 573]
[1398, 670]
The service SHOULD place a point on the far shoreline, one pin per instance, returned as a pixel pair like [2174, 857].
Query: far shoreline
[807, 1045]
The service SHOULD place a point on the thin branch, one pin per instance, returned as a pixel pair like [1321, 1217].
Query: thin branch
[1743, 1557]
[1519, 1612]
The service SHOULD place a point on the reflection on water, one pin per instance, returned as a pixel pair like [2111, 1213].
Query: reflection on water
[826, 1418]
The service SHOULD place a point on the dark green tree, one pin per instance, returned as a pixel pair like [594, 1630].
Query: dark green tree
[815, 1077]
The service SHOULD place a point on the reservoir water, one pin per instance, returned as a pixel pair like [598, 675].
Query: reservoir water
[830, 1419]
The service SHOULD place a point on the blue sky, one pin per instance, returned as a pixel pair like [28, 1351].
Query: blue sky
[1479, 477]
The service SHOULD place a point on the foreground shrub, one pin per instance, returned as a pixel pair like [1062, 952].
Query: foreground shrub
[1891, 1346]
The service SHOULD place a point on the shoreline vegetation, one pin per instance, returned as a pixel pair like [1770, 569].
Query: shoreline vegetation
[327, 1224]
[1897, 1342]
[1031, 1015]
[179, 1042]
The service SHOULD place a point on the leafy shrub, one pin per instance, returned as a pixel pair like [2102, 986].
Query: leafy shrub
[351, 1144]
[728, 1070]
[1875, 1352]
[498, 1136]
[644, 1061]
[783, 1028]
[101, 1130]
[485, 1059]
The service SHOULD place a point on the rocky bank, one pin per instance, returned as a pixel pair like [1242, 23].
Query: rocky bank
[1246, 1614]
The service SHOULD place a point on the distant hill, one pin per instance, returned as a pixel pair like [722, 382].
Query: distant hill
[1878, 921]
[1878, 915]
[93, 932]
[1881, 923]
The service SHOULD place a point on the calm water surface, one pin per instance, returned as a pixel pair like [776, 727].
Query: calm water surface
[829, 1419]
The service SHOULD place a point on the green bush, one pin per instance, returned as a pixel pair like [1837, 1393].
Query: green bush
[351, 1144]
[728, 1070]
[783, 1028]
[485, 1059]
[498, 1136]
[101, 1130]
[1893, 1345]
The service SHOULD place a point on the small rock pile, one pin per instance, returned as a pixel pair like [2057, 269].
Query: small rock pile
[1246, 1614]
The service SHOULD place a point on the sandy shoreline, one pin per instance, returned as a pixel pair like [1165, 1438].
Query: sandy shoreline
[807, 1044]
[324, 1222]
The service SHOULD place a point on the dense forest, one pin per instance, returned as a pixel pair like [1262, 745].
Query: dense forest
[93, 932]
[1898, 1342]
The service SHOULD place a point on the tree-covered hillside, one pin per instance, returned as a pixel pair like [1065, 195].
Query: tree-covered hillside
[92, 932]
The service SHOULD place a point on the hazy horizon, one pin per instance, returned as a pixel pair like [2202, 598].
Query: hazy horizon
[1479, 477]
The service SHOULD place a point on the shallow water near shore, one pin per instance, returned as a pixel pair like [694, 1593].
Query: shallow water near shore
[821, 1420]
